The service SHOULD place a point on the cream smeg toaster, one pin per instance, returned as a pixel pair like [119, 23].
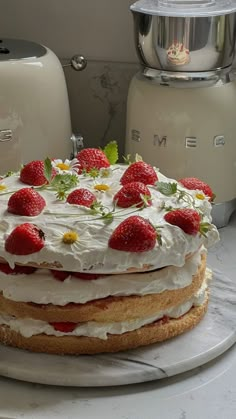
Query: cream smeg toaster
[34, 107]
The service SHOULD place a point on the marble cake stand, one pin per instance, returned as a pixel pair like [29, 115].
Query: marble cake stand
[213, 336]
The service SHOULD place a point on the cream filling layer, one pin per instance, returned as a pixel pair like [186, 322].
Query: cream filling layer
[31, 327]
[42, 288]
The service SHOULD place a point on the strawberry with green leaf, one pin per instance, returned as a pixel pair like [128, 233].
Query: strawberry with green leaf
[189, 220]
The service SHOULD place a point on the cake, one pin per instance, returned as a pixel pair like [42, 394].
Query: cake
[178, 54]
[97, 256]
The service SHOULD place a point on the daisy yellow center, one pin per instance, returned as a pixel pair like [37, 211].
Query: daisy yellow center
[63, 166]
[200, 196]
[2, 187]
[102, 187]
[105, 173]
[70, 237]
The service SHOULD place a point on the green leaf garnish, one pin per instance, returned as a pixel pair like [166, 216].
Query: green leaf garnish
[48, 169]
[127, 159]
[111, 151]
[62, 183]
[166, 188]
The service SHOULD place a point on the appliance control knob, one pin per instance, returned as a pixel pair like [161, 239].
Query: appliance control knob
[77, 62]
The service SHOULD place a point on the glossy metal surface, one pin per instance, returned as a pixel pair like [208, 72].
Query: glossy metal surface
[185, 43]
[222, 212]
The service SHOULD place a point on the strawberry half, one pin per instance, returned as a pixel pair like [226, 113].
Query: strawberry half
[18, 269]
[33, 173]
[60, 275]
[82, 197]
[192, 183]
[187, 219]
[139, 172]
[131, 194]
[64, 327]
[27, 202]
[25, 239]
[135, 234]
[92, 158]
[85, 276]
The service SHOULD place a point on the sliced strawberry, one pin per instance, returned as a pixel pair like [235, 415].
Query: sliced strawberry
[193, 183]
[18, 269]
[187, 219]
[92, 158]
[139, 172]
[134, 193]
[65, 327]
[25, 239]
[82, 275]
[135, 234]
[82, 197]
[26, 202]
[33, 173]
[60, 275]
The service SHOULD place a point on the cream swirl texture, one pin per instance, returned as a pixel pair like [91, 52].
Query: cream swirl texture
[91, 253]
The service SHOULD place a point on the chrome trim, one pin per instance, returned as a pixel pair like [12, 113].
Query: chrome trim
[77, 144]
[5, 135]
[222, 212]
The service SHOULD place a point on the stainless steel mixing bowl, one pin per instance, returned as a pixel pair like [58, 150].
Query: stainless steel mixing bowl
[185, 43]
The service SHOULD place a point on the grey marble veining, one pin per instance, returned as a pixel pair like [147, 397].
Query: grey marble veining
[214, 335]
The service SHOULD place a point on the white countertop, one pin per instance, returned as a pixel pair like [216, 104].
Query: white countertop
[207, 392]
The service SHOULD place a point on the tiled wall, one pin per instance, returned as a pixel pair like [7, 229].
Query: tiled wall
[100, 30]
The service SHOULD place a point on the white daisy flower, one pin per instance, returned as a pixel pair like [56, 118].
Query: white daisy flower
[106, 189]
[68, 239]
[68, 166]
[105, 172]
[3, 187]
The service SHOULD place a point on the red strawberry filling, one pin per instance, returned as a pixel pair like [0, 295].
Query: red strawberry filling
[62, 275]
[4, 267]
[65, 327]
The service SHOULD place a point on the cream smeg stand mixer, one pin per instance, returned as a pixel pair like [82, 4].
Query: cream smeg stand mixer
[181, 110]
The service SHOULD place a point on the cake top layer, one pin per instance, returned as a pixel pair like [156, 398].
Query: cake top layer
[78, 238]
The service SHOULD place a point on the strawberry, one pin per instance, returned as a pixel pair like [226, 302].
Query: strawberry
[187, 219]
[60, 275]
[134, 234]
[27, 202]
[193, 183]
[92, 158]
[82, 275]
[64, 327]
[33, 173]
[25, 239]
[139, 172]
[18, 269]
[131, 194]
[81, 196]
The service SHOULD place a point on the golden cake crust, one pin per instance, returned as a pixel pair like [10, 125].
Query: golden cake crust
[73, 345]
[107, 309]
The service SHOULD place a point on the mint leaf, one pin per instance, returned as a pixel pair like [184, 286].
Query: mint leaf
[166, 188]
[111, 151]
[48, 169]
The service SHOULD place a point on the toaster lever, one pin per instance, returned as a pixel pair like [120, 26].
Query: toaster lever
[5, 135]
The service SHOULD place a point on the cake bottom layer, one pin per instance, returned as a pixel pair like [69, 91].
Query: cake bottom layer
[158, 331]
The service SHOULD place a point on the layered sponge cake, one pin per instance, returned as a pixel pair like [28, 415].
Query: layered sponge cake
[101, 257]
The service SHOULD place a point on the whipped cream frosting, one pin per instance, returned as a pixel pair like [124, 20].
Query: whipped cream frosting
[29, 327]
[91, 252]
[42, 288]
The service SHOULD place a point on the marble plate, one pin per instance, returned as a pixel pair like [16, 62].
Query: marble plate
[213, 336]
